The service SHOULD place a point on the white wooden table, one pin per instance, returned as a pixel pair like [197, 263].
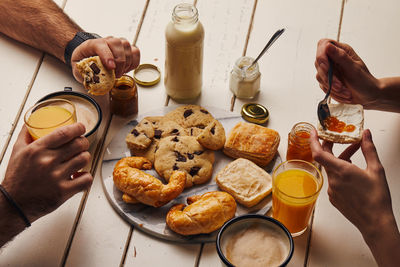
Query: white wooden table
[86, 231]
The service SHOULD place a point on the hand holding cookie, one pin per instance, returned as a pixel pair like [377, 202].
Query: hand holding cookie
[115, 54]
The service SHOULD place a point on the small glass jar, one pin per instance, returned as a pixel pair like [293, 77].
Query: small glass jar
[124, 97]
[299, 142]
[245, 83]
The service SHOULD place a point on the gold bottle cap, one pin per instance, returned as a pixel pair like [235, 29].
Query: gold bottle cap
[147, 75]
[255, 113]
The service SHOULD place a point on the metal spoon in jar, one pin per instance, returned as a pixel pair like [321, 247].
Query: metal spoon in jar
[267, 46]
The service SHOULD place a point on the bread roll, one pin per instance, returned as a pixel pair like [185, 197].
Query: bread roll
[245, 181]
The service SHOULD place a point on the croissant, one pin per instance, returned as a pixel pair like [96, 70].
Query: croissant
[142, 187]
[204, 214]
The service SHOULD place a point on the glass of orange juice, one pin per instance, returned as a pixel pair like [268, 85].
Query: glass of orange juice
[295, 188]
[48, 115]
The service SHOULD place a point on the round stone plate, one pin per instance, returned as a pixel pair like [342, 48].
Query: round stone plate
[152, 220]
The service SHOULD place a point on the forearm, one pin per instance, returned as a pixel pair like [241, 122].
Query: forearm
[10, 222]
[38, 23]
[384, 242]
[389, 99]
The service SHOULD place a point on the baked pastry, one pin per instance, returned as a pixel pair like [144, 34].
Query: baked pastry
[195, 119]
[152, 129]
[139, 186]
[141, 135]
[184, 153]
[345, 125]
[245, 181]
[203, 215]
[213, 136]
[254, 142]
[96, 78]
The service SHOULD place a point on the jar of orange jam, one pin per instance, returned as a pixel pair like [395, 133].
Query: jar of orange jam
[299, 142]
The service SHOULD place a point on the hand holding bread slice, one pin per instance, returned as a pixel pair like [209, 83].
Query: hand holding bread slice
[343, 115]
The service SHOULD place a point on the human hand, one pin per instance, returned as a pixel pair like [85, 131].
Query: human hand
[352, 82]
[362, 196]
[115, 53]
[38, 176]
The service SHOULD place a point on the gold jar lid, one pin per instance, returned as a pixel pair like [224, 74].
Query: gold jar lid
[147, 75]
[255, 113]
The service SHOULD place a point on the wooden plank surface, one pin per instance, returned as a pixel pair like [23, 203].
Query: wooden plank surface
[288, 86]
[151, 42]
[371, 28]
[100, 237]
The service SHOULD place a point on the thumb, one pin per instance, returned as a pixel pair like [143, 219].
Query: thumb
[369, 151]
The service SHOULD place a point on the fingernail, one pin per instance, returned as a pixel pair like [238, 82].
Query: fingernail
[111, 64]
[368, 135]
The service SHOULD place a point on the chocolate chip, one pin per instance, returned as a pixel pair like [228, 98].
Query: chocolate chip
[180, 157]
[187, 113]
[146, 123]
[96, 79]
[198, 152]
[201, 126]
[204, 111]
[194, 170]
[212, 130]
[154, 122]
[94, 68]
[190, 156]
[157, 134]
[175, 139]
[175, 131]
[191, 131]
[175, 167]
[135, 132]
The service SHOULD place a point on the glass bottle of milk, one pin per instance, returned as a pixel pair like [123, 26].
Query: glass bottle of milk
[184, 53]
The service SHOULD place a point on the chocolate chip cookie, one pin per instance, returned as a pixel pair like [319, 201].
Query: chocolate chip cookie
[144, 138]
[142, 134]
[195, 119]
[96, 78]
[186, 154]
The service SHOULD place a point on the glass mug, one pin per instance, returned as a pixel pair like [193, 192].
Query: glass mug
[48, 115]
[295, 188]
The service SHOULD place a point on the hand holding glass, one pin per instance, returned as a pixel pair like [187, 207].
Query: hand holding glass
[46, 116]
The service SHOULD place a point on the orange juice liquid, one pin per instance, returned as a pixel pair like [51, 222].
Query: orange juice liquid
[47, 119]
[293, 198]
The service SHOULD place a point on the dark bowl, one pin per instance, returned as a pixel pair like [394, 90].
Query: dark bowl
[242, 222]
[87, 100]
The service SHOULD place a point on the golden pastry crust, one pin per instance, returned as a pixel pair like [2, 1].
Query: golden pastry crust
[254, 142]
[140, 186]
[204, 214]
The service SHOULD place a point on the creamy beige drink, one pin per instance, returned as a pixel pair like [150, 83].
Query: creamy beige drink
[86, 113]
[257, 245]
[184, 53]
